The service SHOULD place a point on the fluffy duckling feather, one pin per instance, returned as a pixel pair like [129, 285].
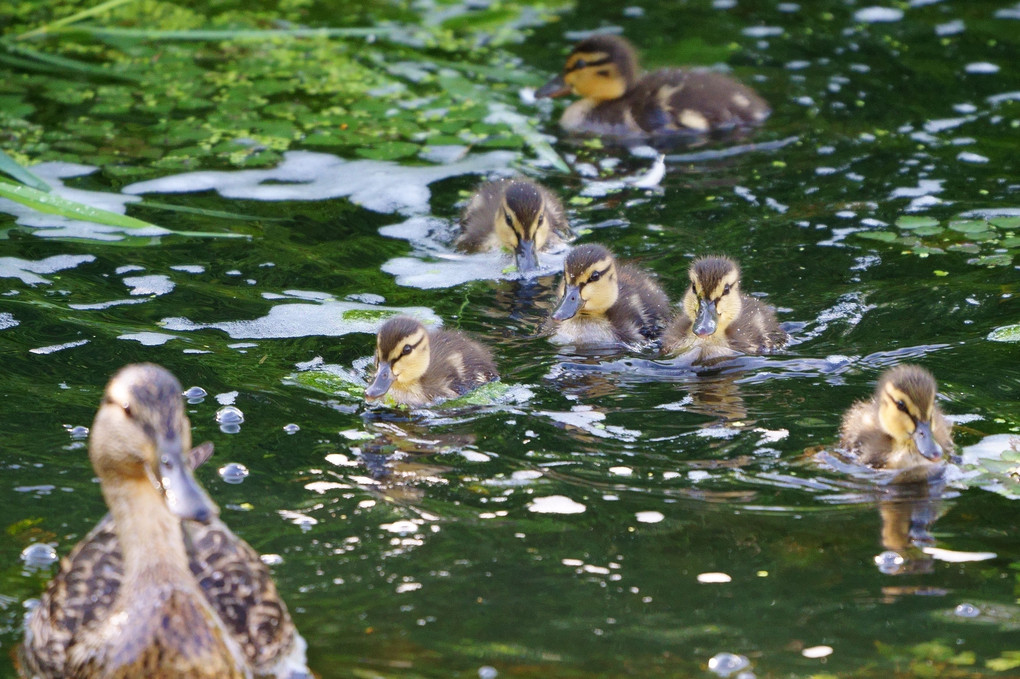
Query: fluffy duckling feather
[605, 302]
[419, 367]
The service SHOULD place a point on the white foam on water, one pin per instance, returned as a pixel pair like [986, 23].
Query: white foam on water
[7, 320]
[148, 339]
[380, 186]
[306, 320]
[875, 15]
[156, 284]
[53, 348]
[555, 504]
[26, 270]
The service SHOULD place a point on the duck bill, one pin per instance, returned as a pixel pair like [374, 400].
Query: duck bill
[527, 258]
[707, 320]
[925, 441]
[569, 305]
[384, 379]
[184, 497]
[556, 87]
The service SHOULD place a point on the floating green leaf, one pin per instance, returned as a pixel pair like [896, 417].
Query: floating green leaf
[1005, 222]
[927, 230]
[884, 236]
[969, 225]
[1007, 333]
[912, 222]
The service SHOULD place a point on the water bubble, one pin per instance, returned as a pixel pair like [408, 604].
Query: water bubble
[229, 415]
[487, 672]
[889, 562]
[725, 664]
[78, 432]
[967, 611]
[195, 394]
[271, 559]
[39, 555]
[291, 428]
[233, 473]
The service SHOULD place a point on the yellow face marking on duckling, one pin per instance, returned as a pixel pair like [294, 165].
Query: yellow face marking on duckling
[712, 311]
[404, 365]
[903, 420]
[694, 120]
[591, 293]
[594, 75]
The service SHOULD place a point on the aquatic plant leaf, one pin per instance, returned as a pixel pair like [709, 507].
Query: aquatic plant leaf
[969, 225]
[11, 167]
[1005, 222]
[1006, 333]
[55, 205]
[884, 236]
[913, 222]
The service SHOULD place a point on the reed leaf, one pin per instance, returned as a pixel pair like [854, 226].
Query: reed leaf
[11, 167]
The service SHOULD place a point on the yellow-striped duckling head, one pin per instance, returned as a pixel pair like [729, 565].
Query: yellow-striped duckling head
[141, 434]
[599, 68]
[713, 300]
[906, 405]
[402, 355]
[522, 224]
[590, 284]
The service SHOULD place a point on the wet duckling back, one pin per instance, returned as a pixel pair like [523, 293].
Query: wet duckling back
[160, 588]
[901, 426]
[717, 320]
[518, 214]
[604, 302]
[616, 100]
[418, 367]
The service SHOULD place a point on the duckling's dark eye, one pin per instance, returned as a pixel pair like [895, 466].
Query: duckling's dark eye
[580, 63]
[902, 406]
[506, 218]
[407, 349]
[541, 219]
[127, 410]
[726, 290]
[595, 275]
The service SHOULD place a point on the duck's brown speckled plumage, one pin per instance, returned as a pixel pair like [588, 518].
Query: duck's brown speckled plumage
[616, 100]
[744, 324]
[217, 615]
[878, 431]
[445, 363]
[636, 315]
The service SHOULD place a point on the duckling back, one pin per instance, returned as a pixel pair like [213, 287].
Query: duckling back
[642, 309]
[458, 365]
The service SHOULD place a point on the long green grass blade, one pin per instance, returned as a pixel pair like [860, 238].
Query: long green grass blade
[63, 64]
[56, 205]
[11, 167]
[220, 214]
[78, 16]
[200, 35]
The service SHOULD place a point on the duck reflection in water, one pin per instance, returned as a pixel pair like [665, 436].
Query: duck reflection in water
[908, 512]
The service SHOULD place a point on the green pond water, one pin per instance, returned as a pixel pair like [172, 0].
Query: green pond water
[559, 531]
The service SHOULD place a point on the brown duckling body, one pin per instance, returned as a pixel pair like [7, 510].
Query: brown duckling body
[160, 588]
[900, 426]
[518, 214]
[604, 302]
[616, 100]
[717, 320]
[418, 367]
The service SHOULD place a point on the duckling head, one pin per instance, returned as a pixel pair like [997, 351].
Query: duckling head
[521, 223]
[590, 284]
[906, 404]
[713, 300]
[142, 434]
[402, 355]
[600, 68]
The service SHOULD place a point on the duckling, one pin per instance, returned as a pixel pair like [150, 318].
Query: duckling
[418, 367]
[161, 588]
[517, 214]
[900, 427]
[615, 100]
[717, 320]
[605, 302]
